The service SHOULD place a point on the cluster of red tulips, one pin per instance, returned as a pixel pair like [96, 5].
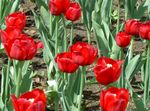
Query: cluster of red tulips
[133, 28]
[71, 10]
[21, 47]
[106, 71]
[18, 45]
[79, 53]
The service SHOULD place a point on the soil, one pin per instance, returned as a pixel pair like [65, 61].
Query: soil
[91, 92]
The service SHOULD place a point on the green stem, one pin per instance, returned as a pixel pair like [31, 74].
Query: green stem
[7, 78]
[81, 87]
[51, 24]
[88, 35]
[118, 20]
[56, 38]
[19, 79]
[131, 49]
[121, 54]
[126, 10]
[71, 38]
[65, 34]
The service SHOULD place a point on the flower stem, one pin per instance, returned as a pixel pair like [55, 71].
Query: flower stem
[56, 37]
[126, 10]
[131, 49]
[65, 33]
[51, 25]
[81, 87]
[71, 38]
[118, 20]
[19, 78]
[88, 35]
[7, 78]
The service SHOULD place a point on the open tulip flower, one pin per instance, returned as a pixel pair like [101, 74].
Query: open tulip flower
[16, 20]
[20, 48]
[65, 62]
[83, 53]
[132, 27]
[30, 101]
[144, 30]
[123, 39]
[73, 13]
[57, 7]
[107, 70]
[114, 99]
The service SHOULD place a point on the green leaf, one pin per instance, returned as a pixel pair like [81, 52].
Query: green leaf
[133, 67]
[26, 82]
[138, 103]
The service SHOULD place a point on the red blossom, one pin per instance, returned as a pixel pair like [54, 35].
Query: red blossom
[107, 70]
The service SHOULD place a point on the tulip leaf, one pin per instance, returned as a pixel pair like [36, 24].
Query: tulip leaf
[26, 82]
[3, 81]
[42, 3]
[106, 10]
[133, 66]
[100, 37]
[134, 11]
[45, 16]
[49, 48]
[138, 103]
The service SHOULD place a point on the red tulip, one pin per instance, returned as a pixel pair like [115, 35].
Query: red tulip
[114, 99]
[107, 70]
[123, 39]
[30, 101]
[20, 48]
[132, 27]
[13, 33]
[16, 20]
[83, 53]
[144, 30]
[58, 7]
[65, 62]
[73, 13]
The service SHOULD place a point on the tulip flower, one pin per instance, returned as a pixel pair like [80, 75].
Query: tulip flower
[132, 27]
[107, 70]
[16, 20]
[58, 7]
[114, 99]
[123, 39]
[30, 101]
[83, 53]
[13, 33]
[73, 13]
[20, 48]
[65, 62]
[144, 30]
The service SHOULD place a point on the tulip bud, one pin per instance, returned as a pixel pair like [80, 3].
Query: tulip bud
[132, 27]
[16, 20]
[57, 7]
[65, 62]
[144, 30]
[73, 13]
[123, 39]
[83, 53]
